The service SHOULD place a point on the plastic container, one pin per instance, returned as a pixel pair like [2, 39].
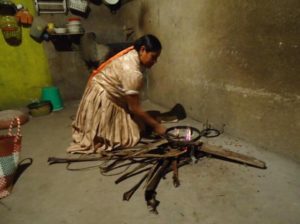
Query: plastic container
[52, 94]
[74, 28]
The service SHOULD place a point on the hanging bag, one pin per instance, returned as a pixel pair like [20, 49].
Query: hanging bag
[10, 147]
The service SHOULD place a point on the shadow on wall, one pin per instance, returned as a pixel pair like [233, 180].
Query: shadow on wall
[94, 53]
[141, 17]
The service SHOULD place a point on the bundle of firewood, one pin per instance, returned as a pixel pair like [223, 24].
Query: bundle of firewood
[154, 160]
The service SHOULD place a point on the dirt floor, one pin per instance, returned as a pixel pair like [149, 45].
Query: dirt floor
[212, 191]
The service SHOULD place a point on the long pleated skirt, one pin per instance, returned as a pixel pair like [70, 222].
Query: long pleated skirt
[102, 123]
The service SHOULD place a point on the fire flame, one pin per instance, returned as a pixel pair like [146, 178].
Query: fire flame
[188, 134]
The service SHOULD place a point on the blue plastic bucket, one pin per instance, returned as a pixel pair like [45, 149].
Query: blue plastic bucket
[52, 94]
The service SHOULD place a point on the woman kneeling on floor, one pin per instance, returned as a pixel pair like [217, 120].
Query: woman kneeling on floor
[110, 115]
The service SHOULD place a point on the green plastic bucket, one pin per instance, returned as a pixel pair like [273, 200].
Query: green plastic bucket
[52, 94]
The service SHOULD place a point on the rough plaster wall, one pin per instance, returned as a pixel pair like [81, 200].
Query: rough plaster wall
[67, 68]
[232, 63]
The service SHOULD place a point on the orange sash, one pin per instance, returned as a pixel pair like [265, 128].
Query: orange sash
[103, 65]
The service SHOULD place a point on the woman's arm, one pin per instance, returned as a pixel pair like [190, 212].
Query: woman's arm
[135, 107]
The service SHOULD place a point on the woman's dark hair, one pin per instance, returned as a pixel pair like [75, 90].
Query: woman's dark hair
[150, 42]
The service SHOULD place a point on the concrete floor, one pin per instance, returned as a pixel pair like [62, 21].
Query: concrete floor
[211, 191]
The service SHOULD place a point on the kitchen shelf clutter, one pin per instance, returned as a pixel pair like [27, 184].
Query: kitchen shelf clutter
[78, 5]
[50, 6]
[73, 26]
[60, 6]
[66, 38]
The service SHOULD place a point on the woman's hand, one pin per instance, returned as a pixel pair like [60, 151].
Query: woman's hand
[159, 129]
[135, 108]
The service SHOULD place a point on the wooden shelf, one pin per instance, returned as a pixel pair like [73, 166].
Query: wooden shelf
[66, 34]
[65, 41]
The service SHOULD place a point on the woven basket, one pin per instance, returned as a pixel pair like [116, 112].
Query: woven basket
[10, 147]
[78, 5]
[10, 28]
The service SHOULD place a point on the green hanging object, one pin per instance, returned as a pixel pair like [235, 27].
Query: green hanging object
[7, 8]
[11, 30]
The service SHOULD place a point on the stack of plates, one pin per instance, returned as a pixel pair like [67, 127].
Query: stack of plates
[74, 25]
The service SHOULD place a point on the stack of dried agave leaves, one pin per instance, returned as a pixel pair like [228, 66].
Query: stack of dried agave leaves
[155, 160]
